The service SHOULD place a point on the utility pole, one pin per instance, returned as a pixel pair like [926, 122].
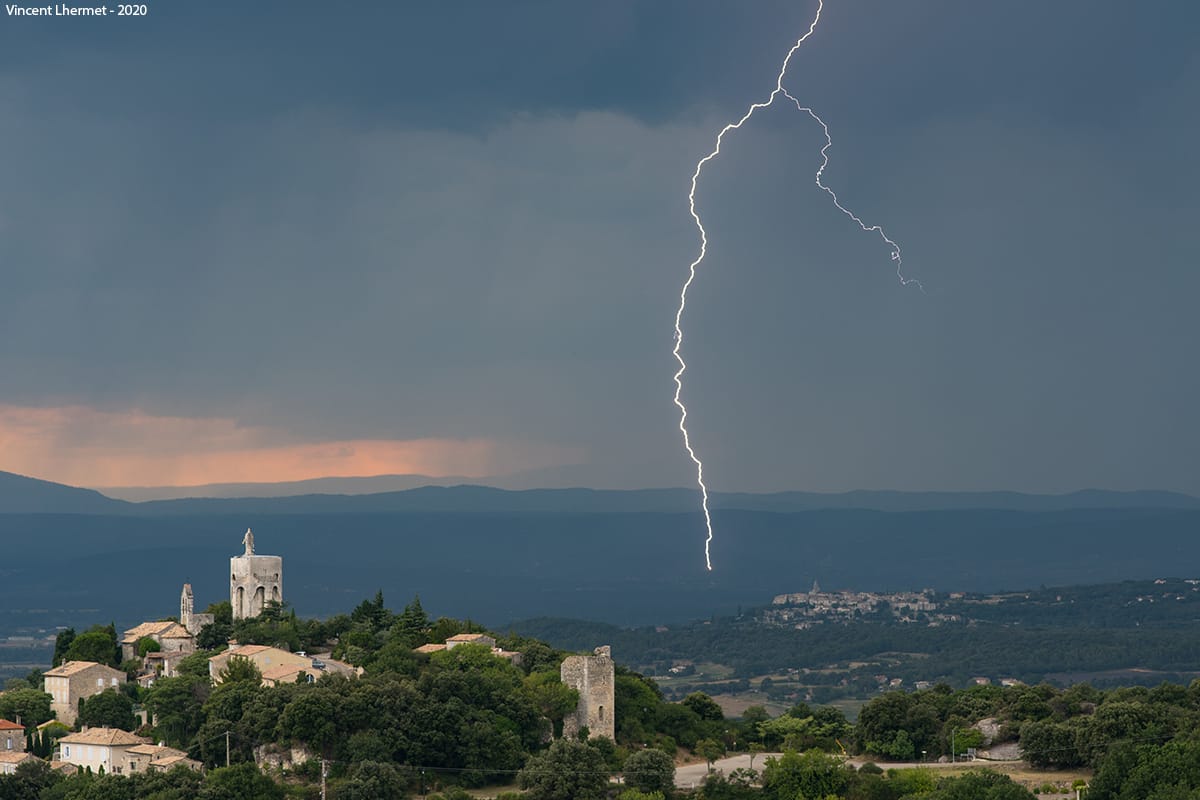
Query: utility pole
[227, 748]
[324, 772]
[952, 748]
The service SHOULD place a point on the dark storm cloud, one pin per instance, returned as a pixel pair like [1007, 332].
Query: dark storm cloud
[468, 220]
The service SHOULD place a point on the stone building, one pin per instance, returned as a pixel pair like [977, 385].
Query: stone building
[170, 636]
[594, 677]
[12, 737]
[70, 682]
[156, 758]
[188, 617]
[100, 748]
[11, 759]
[254, 580]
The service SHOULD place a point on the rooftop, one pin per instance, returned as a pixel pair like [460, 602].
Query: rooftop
[69, 668]
[107, 736]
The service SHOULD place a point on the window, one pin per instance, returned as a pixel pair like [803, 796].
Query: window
[114, 681]
[9, 747]
[66, 751]
[100, 682]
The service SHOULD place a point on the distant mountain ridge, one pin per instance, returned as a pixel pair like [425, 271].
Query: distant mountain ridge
[23, 495]
[19, 494]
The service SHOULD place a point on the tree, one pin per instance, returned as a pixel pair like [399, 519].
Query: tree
[553, 698]
[650, 771]
[979, 785]
[710, 750]
[310, 719]
[566, 771]
[705, 707]
[31, 705]
[62, 643]
[147, 644]
[413, 621]
[108, 709]
[175, 705]
[371, 780]
[239, 782]
[239, 669]
[98, 644]
[814, 774]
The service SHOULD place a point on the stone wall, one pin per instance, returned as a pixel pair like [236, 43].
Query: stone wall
[594, 677]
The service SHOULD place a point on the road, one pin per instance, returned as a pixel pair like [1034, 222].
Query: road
[692, 775]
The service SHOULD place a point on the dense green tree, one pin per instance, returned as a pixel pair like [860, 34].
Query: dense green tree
[979, 785]
[718, 787]
[176, 708]
[680, 723]
[650, 771]
[1150, 771]
[98, 644]
[239, 669]
[710, 750]
[30, 781]
[813, 774]
[371, 780]
[239, 782]
[62, 643]
[1050, 744]
[637, 701]
[147, 644]
[552, 698]
[109, 709]
[31, 705]
[704, 706]
[566, 771]
[309, 719]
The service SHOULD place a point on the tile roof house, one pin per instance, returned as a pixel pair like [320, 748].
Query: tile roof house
[472, 638]
[279, 666]
[12, 737]
[264, 657]
[99, 748]
[72, 681]
[151, 757]
[11, 759]
[171, 637]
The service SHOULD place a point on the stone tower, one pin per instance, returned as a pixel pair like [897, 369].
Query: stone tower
[188, 617]
[594, 677]
[254, 580]
[187, 605]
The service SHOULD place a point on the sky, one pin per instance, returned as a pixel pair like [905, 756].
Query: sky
[287, 240]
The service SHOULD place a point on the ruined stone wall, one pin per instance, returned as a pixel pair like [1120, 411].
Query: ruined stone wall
[254, 581]
[594, 677]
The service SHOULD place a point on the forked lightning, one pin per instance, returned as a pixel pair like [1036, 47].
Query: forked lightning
[895, 250]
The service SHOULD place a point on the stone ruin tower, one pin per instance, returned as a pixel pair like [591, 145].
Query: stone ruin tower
[594, 677]
[188, 617]
[254, 580]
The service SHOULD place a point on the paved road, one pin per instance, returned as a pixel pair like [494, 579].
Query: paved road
[692, 775]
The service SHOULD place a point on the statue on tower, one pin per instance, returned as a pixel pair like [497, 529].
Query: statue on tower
[248, 540]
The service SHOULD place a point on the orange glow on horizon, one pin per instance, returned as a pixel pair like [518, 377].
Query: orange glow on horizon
[82, 446]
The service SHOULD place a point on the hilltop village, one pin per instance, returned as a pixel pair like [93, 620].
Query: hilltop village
[105, 714]
[246, 700]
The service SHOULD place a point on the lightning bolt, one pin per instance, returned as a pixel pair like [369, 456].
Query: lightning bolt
[895, 252]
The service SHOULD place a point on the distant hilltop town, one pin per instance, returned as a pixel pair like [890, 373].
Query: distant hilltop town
[814, 607]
